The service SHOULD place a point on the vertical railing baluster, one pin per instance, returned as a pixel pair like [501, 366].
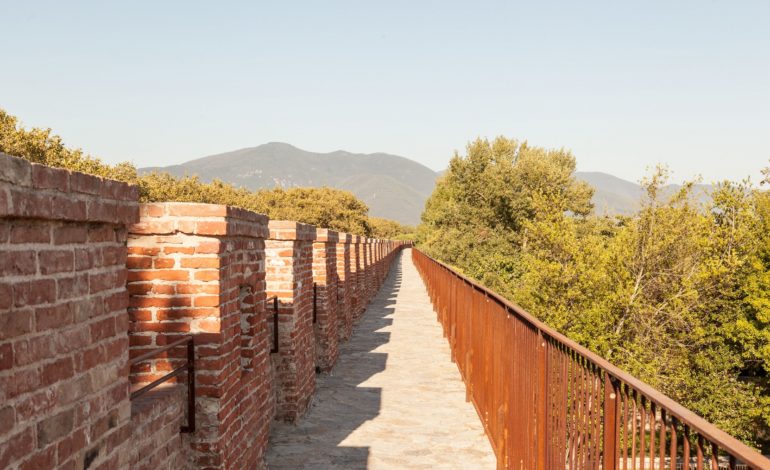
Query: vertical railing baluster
[610, 446]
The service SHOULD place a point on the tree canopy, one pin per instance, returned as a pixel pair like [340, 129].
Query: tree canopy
[678, 294]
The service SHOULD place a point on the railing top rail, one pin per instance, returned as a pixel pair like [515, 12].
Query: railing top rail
[155, 352]
[684, 415]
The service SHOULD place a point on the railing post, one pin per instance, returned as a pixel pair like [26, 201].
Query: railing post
[190, 386]
[542, 402]
[610, 447]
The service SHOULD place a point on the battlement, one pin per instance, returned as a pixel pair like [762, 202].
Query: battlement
[92, 283]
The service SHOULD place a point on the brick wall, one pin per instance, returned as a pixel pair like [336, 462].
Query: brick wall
[63, 344]
[326, 309]
[344, 287]
[357, 276]
[89, 278]
[199, 269]
[155, 421]
[289, 258]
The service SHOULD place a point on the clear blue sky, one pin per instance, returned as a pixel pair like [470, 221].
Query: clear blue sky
[623, 84]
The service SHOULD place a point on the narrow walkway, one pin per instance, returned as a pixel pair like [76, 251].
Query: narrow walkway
[394, 400]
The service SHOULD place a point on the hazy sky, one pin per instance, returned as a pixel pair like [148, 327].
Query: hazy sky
[623, 85]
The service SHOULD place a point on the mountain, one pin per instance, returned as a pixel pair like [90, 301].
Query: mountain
[616, 196]
[393, 187]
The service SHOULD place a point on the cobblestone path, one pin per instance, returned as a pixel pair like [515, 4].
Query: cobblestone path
[394, 400]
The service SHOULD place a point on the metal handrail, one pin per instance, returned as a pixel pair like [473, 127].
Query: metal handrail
[315, 302]
[620, 388]
[188, 367]
[275, 325]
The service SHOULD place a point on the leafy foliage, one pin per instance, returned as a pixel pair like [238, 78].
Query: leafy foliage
[390, 229]
[323, 207]
[678, 294]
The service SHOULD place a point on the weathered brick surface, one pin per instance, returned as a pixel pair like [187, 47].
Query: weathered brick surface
[289, 258]
[156, 442]
[86, 283]
[199, 269]
[327, 311]
[344, 287]
[63, 343]
[356, 276]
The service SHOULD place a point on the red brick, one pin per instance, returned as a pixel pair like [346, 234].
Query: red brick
[86, 184]
[114, 255]
[103, 329]
[164, 263]
[185, 250]
[71, 444]
[102, 281]
[159, 275]
[15, 170]
[30, 203]
[200, 262]
[206, 301]
[66, 208]
[102, 210]
[41, 459]
[34, 292]
[101, 233]
[51, 317]
[32, 350]
[5, 202]
[143, 250]
[139, 262]
[72, 287]
[166, 327]
[207, 275]
[6, 296]
[211, 228]
[56, 261]
[56, 371]
[6, 356]
[145, 302]
[18, 446]
[197, 210]
[53, 428]
[70, 233]
[182, 313]
[18, 263]
[30, 232]
[7, 419]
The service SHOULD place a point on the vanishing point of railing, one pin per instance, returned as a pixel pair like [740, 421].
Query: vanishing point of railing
[188, 368]
[547, 402]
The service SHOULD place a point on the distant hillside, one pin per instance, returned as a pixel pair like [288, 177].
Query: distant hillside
[394, 187]
[618, 196]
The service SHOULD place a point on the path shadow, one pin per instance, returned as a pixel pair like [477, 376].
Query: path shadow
[341, 404]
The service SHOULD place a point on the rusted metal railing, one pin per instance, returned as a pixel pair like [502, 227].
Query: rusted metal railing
[547, 402]
[315, 302]
[188, 368]
[274, 349]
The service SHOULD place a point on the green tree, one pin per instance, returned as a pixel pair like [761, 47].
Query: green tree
[677, 294]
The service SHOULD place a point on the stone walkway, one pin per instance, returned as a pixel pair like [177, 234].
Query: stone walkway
[394, 400]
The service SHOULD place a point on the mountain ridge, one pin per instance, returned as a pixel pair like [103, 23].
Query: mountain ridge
[394, 187]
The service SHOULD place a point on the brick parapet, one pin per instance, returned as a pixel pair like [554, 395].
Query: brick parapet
[63, 347]
[289, 259]
[344, 287]
[199, 269]
[30, 190]
[80, 294]
[290, 230]
[326, 284]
